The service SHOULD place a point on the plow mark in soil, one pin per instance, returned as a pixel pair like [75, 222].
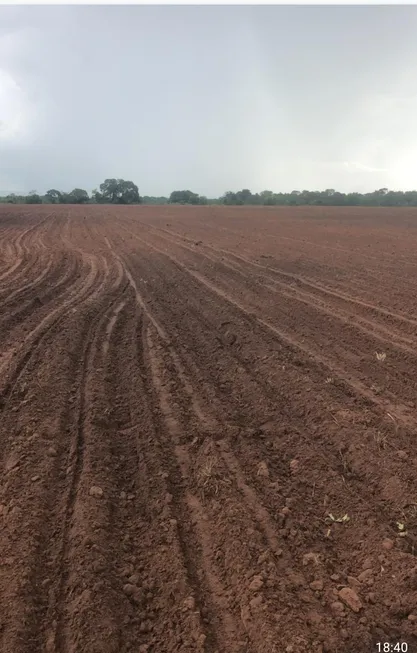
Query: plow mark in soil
[208, 430]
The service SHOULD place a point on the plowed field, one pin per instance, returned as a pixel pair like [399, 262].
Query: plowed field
[208, 429]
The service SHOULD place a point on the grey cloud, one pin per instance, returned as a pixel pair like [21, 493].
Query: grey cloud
[208, 98]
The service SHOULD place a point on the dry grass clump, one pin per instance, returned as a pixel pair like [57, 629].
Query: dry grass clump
[210, 473]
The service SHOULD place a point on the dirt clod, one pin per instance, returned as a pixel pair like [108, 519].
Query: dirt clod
[12, 462]
[129, 589]
[365, 576]
[189, 603]
[311, 558]
[96, 491]
[256, 584]
[317, 585]
[294, 466]
[350, 598]
[387, 544]
[337, 608]
[263, 469]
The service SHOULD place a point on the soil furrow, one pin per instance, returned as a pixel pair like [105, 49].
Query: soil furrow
[201, 449]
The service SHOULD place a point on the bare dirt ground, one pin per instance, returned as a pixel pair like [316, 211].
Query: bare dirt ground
[208, 429]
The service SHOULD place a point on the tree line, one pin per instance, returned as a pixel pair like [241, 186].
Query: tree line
[119, 191]
[112, 191]
[329, 197]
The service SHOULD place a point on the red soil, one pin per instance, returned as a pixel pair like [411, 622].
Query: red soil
[186, 396]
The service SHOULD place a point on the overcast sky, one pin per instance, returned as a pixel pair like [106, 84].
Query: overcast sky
[208, 98]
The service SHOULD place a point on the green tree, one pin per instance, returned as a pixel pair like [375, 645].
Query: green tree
[53, 196]
[184, 197]
[129, 193]
[229, 198]
[244, 196]
[118, 191]
[147, 199]
[267, 198]
[96, 196]
[33, 198]
[78, 196]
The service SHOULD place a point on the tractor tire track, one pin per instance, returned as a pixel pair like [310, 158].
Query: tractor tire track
[184, 428]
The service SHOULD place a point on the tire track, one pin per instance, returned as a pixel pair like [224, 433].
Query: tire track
[46, 555]
[265, 386]
[192, 501]
[12, 370]
[393, 374]
[363, 391]
[145, 475]
[288, 290]
[110, 326]
[214, 605]
[326, 292]
[22, 252]
[387, 521]
[235, 261]
[192, 393]
[263, 635]
[218, 611]
[6, 251]
[28, 286]
[94, 353]
[16, 315]
[272, 223]
[149, 526]
[398, 409]
[44, 262]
